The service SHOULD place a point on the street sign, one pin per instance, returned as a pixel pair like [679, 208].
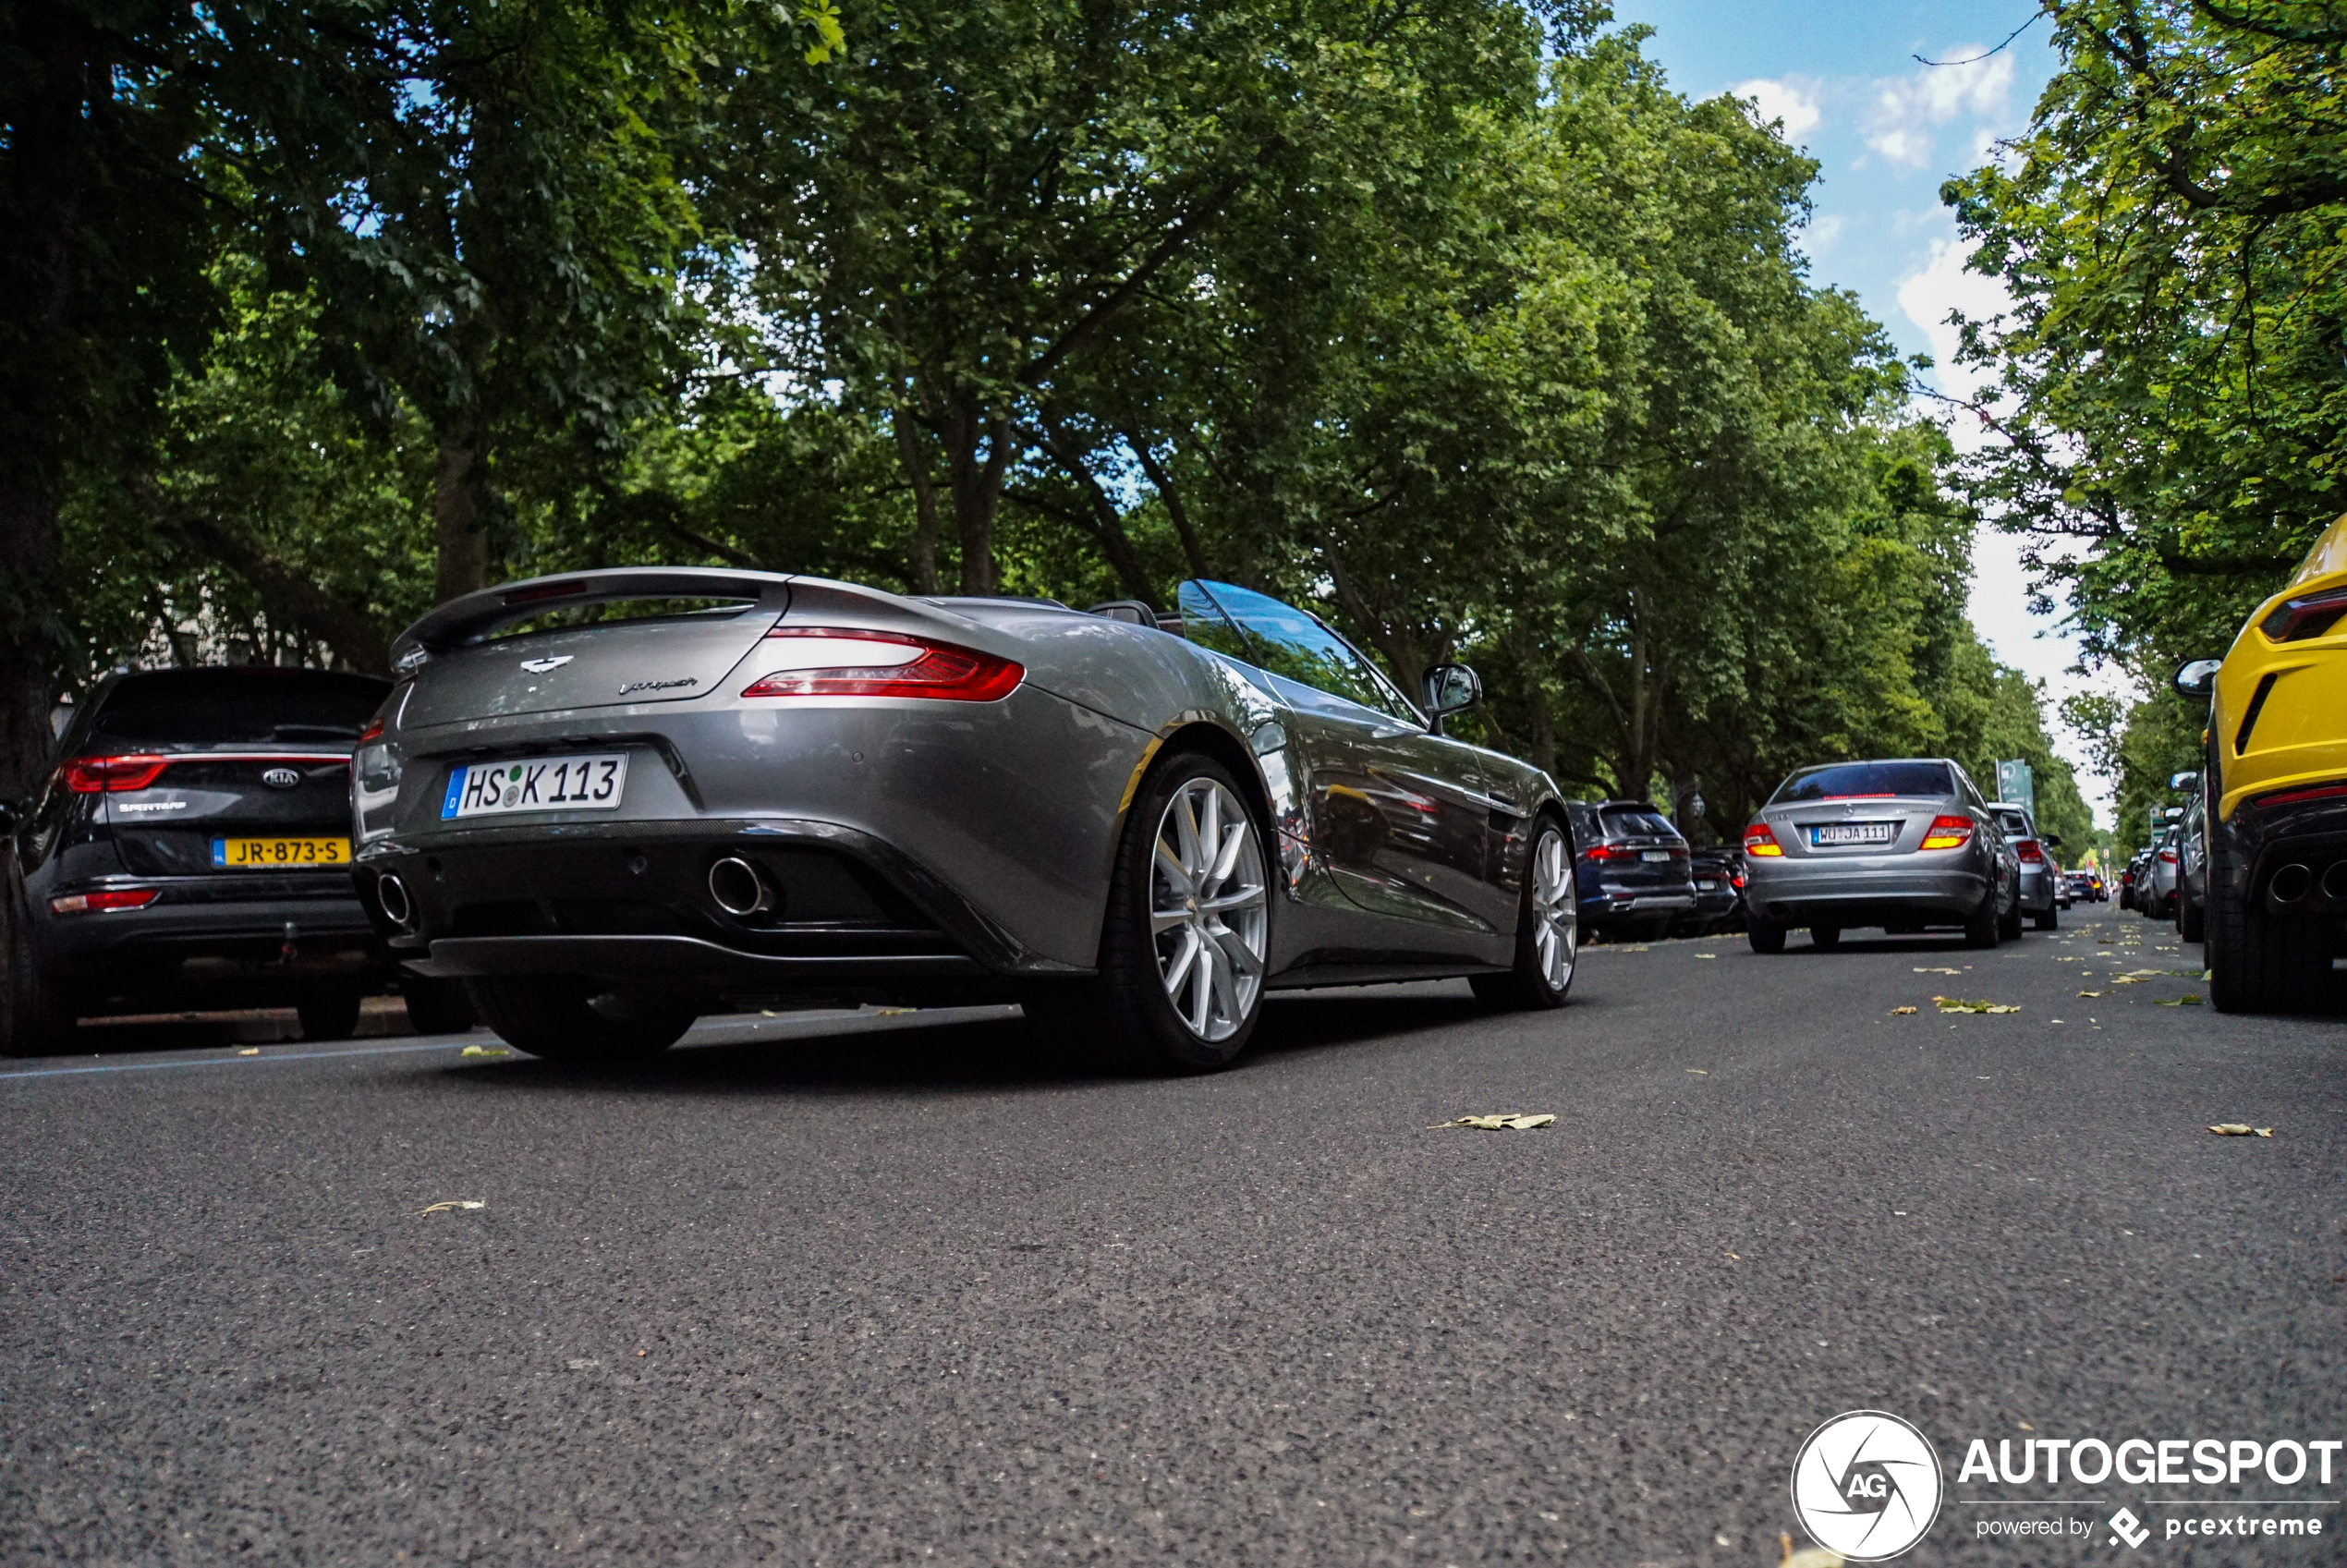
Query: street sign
[2014, 784]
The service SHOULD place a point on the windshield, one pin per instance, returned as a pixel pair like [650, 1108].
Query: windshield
[1865, 780]
[260, 706]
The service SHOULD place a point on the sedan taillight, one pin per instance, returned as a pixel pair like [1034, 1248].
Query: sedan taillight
[1947, 832]
[2167, 856]
[111, 775]
[1758, 840]
[845, 661]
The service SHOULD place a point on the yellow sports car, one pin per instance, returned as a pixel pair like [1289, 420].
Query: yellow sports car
[2276, 788]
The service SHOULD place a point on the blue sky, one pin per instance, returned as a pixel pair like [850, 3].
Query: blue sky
[1887, 131]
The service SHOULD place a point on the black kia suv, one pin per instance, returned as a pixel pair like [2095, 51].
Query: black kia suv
[192, 849]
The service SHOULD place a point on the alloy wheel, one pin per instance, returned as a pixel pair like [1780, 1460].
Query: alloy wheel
[1209, 916]
[1556, 919]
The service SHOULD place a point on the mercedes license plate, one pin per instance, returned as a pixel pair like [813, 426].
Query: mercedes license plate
[1854, 832]
[536, 783]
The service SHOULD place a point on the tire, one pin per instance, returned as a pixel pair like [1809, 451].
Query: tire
[1985, 927]
[569, 1020]
[36, 1018]
[2008, 926]
[2258, 962]
[2049, 918]
[1766, 936]
[438, 1007]
[1168, 914]
[1547, 944]
[328, 1015]
[1825, 936]
[2191, 919]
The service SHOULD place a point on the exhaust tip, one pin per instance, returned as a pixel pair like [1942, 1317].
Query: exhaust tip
[736, 887]
[392, 894]
[2335, 881]
[2290, 884]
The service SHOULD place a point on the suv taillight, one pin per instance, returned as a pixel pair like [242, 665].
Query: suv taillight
[1758, 840]
[847, 661]
[1947, 832]
[111, 775]
[2029, 852]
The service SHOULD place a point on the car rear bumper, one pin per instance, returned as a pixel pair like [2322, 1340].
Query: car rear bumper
[228, 941]
[2307, 839]
[1799, 895]
[633, 901]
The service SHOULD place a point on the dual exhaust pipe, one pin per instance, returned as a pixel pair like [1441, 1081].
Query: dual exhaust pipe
[735, 886]
[2289, 886]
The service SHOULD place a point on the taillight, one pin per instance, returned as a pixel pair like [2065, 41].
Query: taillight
[104, 899]
[1737, 882]
[2029, 852]
[841, 662]
[1758, 840]
[1947, 832]
[2167, 856]
[1603, 852]
[2292, 797]
[2298, 619]
[110, 775]
[372, 732]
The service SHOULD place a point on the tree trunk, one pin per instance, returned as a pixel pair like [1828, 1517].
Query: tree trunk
[977, 487]
[459, 529]
[1193, 552]
[28, 580]
[923, 549]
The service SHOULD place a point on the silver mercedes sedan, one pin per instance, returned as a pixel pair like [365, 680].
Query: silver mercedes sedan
[612, 801]
[1905, 845]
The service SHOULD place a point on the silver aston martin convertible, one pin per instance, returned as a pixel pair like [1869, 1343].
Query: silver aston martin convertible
[610, 802]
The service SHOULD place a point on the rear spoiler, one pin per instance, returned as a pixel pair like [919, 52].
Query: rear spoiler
[474, 617]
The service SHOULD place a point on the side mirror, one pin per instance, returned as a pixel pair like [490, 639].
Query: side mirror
[1451, 688]
[2053, 840]
[2197, 677]
[2171, 813]
[2183, 781]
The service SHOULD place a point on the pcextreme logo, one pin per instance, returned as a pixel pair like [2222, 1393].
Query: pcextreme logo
[1866, 1486]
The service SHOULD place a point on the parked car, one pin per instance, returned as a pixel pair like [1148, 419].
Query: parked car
[2088, 887]
[191, 849]
[740, 784]
[2274, 791]
[1633, 869]
[1905, 843]
[2040, 878]
[2191, 862]
[2063, 896]
[1719, 891]
[2157, 899]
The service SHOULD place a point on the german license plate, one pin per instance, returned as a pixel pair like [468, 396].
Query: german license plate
[1707, 887]
[1854, 832]
[536, 783]
[1655, 854]
[244, 854]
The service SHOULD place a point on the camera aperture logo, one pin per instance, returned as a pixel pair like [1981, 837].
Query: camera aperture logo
[1867, 1485]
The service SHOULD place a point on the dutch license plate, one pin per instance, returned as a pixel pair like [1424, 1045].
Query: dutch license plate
[536, 783]
[1854, 832]
[1655, 854]
[241, 854]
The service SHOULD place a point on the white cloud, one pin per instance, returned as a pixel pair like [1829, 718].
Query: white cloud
[1908, 109]
[1787, 100]
[1930, 293]
[1821, 235]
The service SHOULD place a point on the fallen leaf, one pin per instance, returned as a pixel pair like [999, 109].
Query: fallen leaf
[1921, 970]
[2128, 980]
[1511, 1123]
[1900, 1012]
[1639, 947]
[2187, 1000]
[2070, 960]
[484, 1051]
[447, 1204]
[2090, 993]
[248, 1050]
[1707, 955]
[1807, 1557]
[2240, 1130]
[2208, 974]
[1700, 1072]
[1954, 1004]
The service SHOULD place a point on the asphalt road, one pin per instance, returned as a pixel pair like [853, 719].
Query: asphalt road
[826, 1289]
